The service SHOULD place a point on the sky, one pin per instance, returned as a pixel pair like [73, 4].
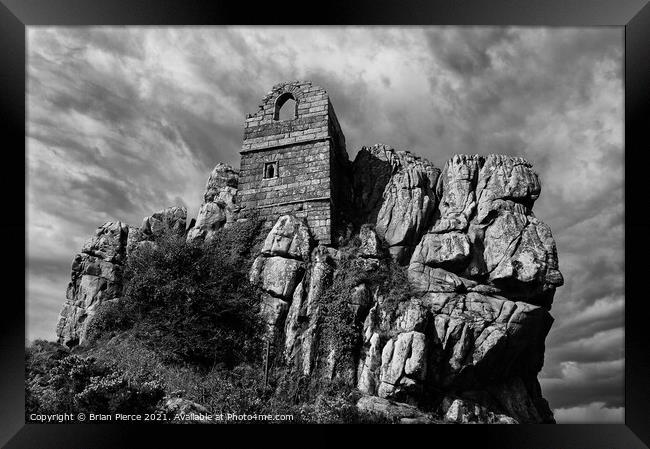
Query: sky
[124, 121]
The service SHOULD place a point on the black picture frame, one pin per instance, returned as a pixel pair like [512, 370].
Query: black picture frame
[633, 15]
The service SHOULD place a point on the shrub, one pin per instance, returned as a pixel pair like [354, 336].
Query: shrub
[191, 302]
[110, 318]
[73, 384]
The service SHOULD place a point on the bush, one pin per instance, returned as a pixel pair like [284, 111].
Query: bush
[110, 318]
[73, 384]
[190, 302]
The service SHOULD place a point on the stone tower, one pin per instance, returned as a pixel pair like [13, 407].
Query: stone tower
[298, 165]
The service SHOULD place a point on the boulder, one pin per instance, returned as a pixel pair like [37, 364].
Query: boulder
[520, 254]
[480, 338]
[108, 243]
[277, 275]
[289, 238]
[219, 207]
[222, 178]
[424, 278]
[486, 233]
[458, 200]
[169, 220]
[464, 411]
[403, 366]
[447, 250]
[505, 178]
[393, 411]
[211, 218]
[97, 271]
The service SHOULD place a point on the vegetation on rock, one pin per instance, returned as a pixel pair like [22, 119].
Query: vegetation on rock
[187, 325]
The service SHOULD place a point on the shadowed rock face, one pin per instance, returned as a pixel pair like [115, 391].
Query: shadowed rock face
[394, 190]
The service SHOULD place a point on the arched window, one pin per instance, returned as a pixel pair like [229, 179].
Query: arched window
[286, 107]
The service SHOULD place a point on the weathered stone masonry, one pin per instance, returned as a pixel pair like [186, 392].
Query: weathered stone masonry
[297, 166]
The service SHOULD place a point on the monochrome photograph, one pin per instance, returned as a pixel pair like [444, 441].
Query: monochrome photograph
[324, 224]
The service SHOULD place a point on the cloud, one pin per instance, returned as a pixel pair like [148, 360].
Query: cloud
[570, 384]
[123, 121]
[596, 412]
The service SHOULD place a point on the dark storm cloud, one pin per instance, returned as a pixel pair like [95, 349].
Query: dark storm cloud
[466, 53]
[125, 121]
[582, 380]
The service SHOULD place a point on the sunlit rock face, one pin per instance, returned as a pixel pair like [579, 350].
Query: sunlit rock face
[485, 231]
[219, 206]
[96, 278]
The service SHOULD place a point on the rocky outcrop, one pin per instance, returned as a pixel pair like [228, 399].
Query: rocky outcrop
[486, 233]
[467, 343]
[96, 277]
[280, 268]
[219, 203]
[445, 287]
[301, 327]
[97, 271]
[171, 220]
[395, 191]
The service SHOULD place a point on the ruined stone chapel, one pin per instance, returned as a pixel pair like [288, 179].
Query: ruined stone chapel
[295, 163]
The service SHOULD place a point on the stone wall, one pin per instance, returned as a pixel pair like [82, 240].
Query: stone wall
[316, 213]
[302, 185]
[310, 154]
[340, 175]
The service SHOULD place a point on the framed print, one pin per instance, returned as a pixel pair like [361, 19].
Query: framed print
[381, 214]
